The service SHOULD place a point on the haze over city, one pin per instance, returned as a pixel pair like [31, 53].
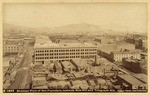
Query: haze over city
[132, 17]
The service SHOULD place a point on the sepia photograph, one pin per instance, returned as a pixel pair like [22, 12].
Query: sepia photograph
[75, 47]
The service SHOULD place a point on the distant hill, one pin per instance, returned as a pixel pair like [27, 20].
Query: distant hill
[69, 29]
[77, 28]
[10, 28]
[83, 28]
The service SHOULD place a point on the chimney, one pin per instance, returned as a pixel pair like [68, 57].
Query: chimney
[121, 50]
[95, 60]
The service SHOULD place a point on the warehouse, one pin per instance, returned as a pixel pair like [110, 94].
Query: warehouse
[45, 49]
[81, 64]
[129, 82]
[68, 66]
[119, 55]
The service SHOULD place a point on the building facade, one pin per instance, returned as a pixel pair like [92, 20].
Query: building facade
[79, 66]
[11, 48]
[68, 66]
[14, 44]
[45, 49]
[141, 44]
[119, 55]
[132, 65]
[129, 82]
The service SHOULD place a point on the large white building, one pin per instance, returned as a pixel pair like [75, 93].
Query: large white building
[13, 43]
[13, 46]
[119, 55]
[46, 50]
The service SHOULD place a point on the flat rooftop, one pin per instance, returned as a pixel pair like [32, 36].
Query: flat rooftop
[79, 74]
[142, 77]
[81, 62]
[40, 87]
[130, 79]
[132, 60]
[80, 83]
[126, 52]
[62, 45]
[39, 78]
[67, 64]
[101, 81]
[12, 43]
[58, 76]
[59, 83]
[38, 81]
[57, 65]
[45, 42]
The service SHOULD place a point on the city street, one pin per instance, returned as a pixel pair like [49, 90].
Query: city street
[23, 76]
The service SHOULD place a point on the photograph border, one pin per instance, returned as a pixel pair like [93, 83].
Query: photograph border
[2, 2]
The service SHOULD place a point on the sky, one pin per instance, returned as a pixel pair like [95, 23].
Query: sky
[133, 15]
